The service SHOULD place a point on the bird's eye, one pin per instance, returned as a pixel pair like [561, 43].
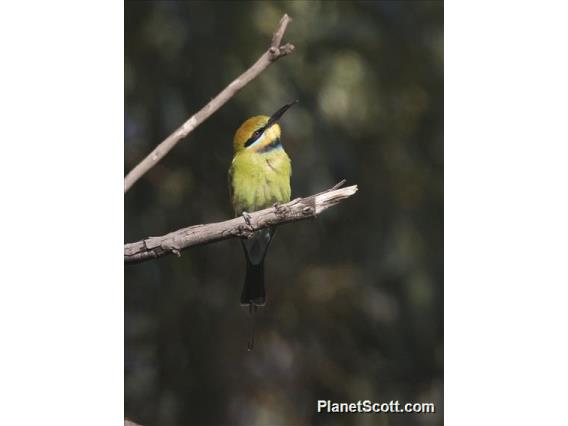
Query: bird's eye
[255, 135]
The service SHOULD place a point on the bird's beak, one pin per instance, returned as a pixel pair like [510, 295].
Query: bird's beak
[278, 114]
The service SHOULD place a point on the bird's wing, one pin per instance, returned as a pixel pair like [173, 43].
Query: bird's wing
[230, 183]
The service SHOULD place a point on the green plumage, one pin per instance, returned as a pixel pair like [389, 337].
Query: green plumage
[259, 177]
[258, 180]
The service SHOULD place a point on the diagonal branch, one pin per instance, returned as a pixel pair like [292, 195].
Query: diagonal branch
[275, 52]
[175, 242]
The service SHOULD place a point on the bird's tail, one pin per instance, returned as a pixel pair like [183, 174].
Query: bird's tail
[253, 289]
[255, 249]
[254, 294]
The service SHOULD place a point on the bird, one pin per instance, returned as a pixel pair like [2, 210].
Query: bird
[259, 177]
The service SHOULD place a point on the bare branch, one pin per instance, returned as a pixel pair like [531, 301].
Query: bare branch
[272, 54]
[175, 242]
[279, 33]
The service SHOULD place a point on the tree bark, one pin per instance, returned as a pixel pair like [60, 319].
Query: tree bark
[176, 241]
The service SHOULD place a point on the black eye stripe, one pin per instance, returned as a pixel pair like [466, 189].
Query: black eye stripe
[257, 134]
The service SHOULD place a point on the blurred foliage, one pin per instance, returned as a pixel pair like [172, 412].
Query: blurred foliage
[355, 306]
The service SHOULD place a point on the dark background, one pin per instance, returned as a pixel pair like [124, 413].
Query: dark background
[355, 306]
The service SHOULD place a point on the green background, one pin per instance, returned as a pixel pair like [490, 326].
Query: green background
[355, 298]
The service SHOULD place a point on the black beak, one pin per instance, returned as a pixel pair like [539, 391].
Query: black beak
[278, 114]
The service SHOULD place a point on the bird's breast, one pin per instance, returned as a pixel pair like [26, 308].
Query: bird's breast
[258, 180]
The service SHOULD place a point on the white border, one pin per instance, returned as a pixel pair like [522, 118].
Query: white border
[61, 298]
[506, 213]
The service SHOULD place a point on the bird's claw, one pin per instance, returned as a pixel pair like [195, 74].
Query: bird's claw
[247, 217]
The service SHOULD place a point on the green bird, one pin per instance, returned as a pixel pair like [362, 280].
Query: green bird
[259, 177]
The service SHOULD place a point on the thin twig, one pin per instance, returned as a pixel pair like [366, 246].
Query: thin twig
[275, 52]
[175, 242]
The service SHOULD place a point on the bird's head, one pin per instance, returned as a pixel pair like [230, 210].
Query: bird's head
[259, 131]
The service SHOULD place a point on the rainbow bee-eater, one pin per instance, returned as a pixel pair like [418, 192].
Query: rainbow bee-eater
[259, 177]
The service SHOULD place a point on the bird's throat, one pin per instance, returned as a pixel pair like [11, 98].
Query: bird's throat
[274, 144]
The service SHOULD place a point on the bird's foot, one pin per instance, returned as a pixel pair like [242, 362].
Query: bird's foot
[247, 217]
[247, 229]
